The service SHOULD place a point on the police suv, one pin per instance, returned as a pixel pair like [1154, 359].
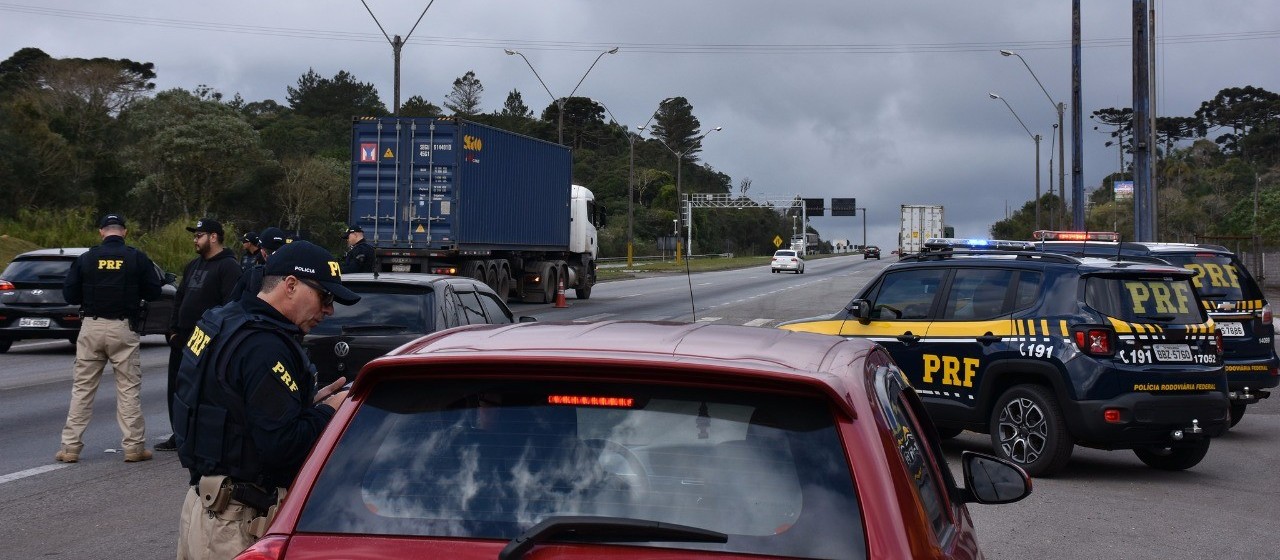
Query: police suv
[1046, 351]
[1227, 291]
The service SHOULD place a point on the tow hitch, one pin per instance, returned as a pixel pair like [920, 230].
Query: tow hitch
[1193, 432]
[1248, 396]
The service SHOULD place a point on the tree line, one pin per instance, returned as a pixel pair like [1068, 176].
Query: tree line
[1217, 174]
[79, 137]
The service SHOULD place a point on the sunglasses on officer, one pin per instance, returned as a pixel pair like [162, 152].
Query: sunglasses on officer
[326, 297]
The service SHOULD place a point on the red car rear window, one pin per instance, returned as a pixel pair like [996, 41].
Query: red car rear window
[490, 459]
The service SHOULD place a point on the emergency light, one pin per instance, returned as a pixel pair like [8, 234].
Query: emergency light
[1051, 235]
[940, 243]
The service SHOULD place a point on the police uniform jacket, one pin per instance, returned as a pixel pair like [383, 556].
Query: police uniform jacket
[109, 280]
[250, 260]
[249, 284]
[272, 377]
[359, 258]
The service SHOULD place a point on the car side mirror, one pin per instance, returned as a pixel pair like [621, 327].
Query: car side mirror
[859, 309]
[528, 319]
[170, 278]
[991, 480]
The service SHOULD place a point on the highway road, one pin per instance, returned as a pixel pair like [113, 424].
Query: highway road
[1106, 504]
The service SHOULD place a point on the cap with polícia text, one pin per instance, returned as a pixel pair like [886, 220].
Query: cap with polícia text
[353, 229]
[111, 220]
[273, 238]
[304, 259]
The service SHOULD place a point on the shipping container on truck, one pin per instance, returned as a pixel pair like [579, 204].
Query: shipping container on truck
[449, 196]
[920, 222]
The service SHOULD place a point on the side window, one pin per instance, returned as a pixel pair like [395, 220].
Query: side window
[494, 309]
[907, 295]
[1028, 289]
[451, 310]
[920, 457]
[978, 293]
[472, 312]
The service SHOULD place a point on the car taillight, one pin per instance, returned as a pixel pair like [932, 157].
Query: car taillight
[1217, 342]
[1096, 342]
[1266, 314]
[267, 548]
[6, 285]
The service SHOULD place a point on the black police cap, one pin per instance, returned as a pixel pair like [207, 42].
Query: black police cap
[111, 220]
[304, 259]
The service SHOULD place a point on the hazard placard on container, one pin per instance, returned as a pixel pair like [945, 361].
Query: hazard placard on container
[420, 229]
[368, 152]
[388, 154]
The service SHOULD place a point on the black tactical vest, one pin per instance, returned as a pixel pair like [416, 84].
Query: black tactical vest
[109, 274]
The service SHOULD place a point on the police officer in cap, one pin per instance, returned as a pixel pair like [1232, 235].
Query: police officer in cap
[359, 257]
[109, 282]
[272, 239]
[252, 251]
[247, 390]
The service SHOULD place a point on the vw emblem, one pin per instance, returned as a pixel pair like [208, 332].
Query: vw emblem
[341, 349]
[37, 292]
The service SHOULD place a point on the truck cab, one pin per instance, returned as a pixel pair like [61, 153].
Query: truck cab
[584, 217]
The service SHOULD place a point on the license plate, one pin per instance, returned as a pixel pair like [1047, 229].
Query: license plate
[399, 268]
[1231, 329]
[1172, 352]
[33, 322]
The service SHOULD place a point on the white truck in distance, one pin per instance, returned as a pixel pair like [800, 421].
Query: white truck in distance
[919, 223]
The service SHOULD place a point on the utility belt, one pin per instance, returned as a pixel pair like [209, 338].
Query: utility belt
[217, 492]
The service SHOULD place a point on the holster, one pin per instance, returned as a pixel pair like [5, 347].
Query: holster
[214, 494]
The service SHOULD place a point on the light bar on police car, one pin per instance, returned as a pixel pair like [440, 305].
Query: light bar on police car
[937, 243]
[1051, 235]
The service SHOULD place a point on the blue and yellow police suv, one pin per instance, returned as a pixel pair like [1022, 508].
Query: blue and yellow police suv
[1046, 351]
[1228, 292]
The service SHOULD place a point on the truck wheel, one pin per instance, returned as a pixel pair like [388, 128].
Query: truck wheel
[1237, 412]
[583, 293]
[1027, 428]
[504, 283]
[1174, 458]
[552, 284]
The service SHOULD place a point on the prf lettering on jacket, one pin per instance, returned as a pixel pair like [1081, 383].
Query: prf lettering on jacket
[110, 264]
[198, 341]
[285, 377]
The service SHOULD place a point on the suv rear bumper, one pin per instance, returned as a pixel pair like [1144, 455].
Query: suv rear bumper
[1252, 373]
[1147, 419]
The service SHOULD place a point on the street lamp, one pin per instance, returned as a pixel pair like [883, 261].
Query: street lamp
[864, 228]
[561, 100]
[1034, 137]
[1062, 162]
[679, 190]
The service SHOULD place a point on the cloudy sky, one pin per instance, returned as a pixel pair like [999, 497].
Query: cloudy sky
[886, 102]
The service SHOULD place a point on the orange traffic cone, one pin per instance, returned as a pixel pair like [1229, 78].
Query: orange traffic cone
[560, 295]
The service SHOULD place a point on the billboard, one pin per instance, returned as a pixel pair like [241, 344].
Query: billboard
[844, 207]
[1123, 190]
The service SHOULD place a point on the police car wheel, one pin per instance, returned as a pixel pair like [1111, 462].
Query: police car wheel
[1027, 428]
[1237, 412]
[1179, 458]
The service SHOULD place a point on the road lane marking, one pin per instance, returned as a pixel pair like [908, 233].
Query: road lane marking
[756, 322]
[709, 319]
[31, 472]
[593, 318]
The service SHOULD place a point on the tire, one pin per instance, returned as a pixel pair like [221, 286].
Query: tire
[1176, 458]
[1027, 427]
[504, 283]
[1237, 412]
[5, 344]
[552, 285]
[583, 293]
[948, 432]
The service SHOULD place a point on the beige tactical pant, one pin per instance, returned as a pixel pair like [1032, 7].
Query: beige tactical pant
[203, 535]
[102, 340]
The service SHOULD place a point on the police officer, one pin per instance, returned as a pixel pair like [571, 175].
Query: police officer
[252, 251]
[247, 391]
[109, 282]
[272, 239]
[359, 257]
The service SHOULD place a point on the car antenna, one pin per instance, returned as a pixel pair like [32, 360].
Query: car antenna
[1119, 244]
[688, 277]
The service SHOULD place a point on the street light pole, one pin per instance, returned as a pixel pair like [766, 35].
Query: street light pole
[864, 228]
[396, 44]
[679, 190]
[1036, 139]
[560, 101]
[1060, 108]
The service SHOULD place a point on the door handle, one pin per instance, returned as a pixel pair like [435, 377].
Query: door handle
[908, 338]
[988, 339]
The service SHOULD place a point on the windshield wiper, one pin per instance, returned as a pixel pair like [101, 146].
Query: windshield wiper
[371, 327]
[582, 528]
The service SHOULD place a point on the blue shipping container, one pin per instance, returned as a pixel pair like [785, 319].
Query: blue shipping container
[449, 184]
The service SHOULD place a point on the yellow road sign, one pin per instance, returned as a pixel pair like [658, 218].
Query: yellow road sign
[777, 241]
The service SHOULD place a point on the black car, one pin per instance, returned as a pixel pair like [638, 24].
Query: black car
[1228, 292]
[31, 304]
[871, 252]
[395, 309]
[1046, 351]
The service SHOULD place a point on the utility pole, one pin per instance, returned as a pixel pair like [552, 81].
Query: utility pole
[1077, 125]
[396, 44]
[1143, 229]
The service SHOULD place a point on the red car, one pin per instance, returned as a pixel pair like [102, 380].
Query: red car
[630, 440]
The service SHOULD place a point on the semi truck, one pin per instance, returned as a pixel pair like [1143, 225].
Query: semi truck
[449, 196]
[919, 223]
